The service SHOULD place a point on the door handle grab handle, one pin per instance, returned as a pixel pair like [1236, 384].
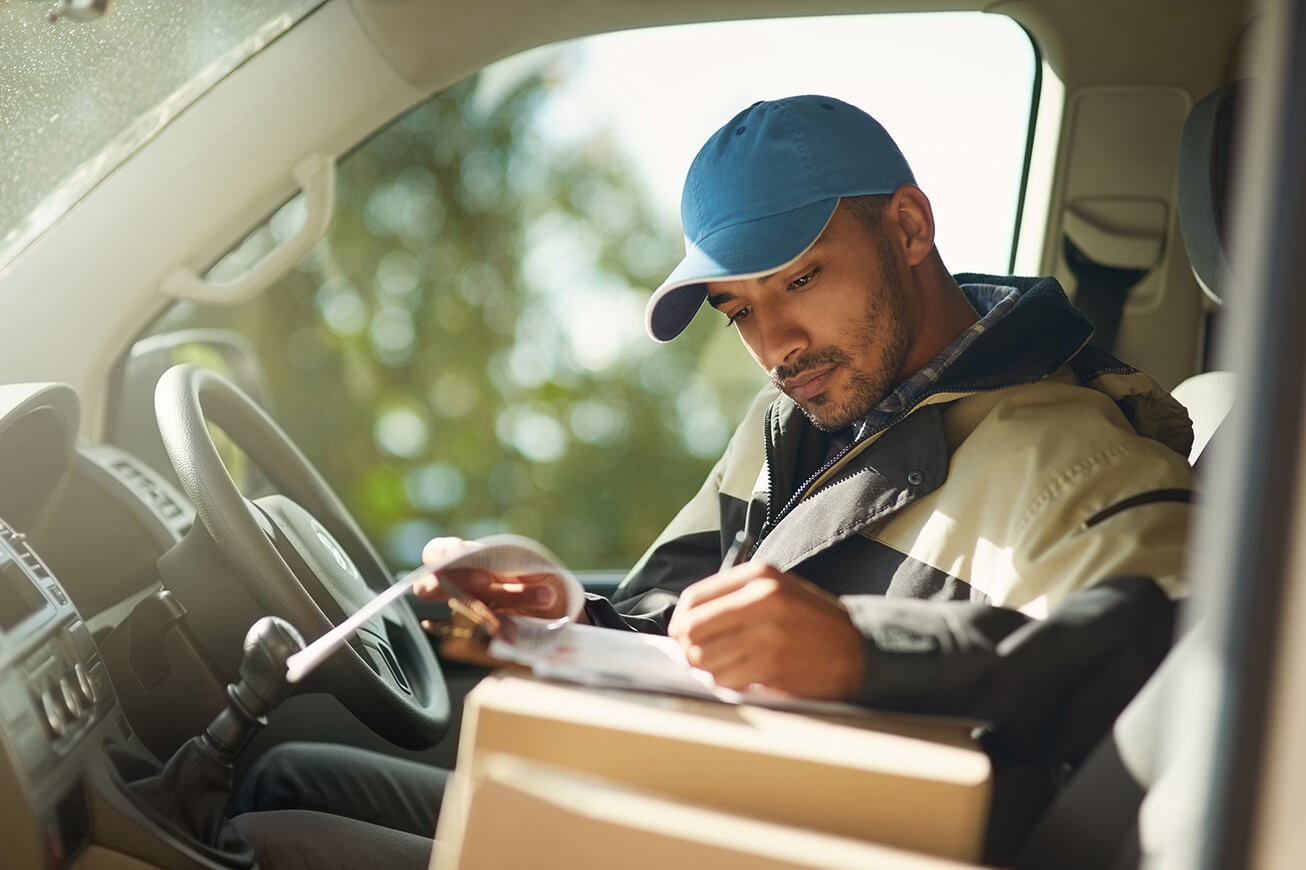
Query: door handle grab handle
[316, 176]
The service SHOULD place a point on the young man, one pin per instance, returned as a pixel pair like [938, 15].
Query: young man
[926, 437]
[957, 504]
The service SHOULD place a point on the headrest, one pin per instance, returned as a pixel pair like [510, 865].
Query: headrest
[1204, 190]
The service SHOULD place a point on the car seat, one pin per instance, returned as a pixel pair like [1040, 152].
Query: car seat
[1204, 197]
[1094, 823]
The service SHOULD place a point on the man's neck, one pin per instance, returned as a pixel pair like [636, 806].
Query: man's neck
[945, 314]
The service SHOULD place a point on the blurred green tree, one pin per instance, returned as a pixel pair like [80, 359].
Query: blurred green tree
[463, 353]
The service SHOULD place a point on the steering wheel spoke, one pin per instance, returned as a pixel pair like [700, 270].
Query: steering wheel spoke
[384, 662]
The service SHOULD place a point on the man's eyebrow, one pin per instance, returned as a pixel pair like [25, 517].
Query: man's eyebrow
[815, 248]
[716, 300]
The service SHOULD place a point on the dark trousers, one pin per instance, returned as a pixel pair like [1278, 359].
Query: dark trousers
[318, 806]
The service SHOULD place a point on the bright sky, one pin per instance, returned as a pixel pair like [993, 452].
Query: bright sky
[953, 89]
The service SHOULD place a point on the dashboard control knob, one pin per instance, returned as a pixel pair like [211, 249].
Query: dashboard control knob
[84, 685]
[54, 720]
[72, 702]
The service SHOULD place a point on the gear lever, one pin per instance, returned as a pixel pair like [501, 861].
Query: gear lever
[190, 794]
[262, 686]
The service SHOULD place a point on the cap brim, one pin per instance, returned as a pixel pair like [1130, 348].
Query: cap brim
[751, 249]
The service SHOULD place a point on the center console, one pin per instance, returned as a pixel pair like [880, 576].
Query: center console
[77, 788]
[57, 708]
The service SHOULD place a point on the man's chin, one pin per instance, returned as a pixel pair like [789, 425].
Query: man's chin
[826, 415]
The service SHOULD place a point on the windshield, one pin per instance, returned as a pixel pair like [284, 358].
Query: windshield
[77, 98]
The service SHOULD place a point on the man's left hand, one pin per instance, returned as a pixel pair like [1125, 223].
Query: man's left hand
[755, 625]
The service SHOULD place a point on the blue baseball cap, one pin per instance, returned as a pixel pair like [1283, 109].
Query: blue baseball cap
[761, 191]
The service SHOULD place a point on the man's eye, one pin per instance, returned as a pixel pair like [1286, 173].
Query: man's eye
[803, 280]
[741, 314]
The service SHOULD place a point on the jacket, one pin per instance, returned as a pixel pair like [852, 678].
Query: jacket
[1018, 528]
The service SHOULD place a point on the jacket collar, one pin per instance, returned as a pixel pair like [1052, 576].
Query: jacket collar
[1039, 335]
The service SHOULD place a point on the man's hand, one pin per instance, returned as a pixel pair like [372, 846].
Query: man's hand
[542, 595]
[753, 625]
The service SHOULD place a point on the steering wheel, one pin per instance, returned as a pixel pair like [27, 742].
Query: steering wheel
[301, 556]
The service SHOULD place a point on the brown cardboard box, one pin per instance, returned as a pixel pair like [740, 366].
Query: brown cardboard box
[902, 782]
[523, 814]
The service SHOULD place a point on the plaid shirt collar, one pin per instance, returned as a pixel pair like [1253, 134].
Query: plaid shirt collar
[993, 301]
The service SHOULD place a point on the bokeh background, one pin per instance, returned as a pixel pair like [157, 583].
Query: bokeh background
[464, 352]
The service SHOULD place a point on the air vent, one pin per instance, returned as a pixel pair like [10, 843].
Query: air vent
[17, 542]
[162, 501]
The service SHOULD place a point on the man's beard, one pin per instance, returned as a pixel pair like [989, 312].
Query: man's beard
[887, 326]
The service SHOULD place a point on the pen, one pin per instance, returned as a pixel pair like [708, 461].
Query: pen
[738, 550]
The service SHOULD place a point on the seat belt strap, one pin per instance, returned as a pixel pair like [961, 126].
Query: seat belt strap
[1100, 292]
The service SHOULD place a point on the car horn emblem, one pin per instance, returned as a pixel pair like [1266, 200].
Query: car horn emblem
[333, 547]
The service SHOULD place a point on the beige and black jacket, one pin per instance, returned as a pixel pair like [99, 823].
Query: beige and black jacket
[1010, 547]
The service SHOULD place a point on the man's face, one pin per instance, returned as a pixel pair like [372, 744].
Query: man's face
[833, 328]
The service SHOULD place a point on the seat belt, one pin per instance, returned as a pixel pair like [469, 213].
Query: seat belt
[1100, 292]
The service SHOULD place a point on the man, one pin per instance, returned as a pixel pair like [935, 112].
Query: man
[926, 437]
[957, 504]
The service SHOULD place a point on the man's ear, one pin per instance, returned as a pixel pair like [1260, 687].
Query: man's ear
[911, 211]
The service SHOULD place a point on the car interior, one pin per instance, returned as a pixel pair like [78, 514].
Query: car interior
[154, 510]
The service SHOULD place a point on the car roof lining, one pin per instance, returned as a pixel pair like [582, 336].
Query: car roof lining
[434, 45]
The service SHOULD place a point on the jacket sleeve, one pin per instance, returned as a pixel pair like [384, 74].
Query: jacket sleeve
[1048, 688]
[1079, 546]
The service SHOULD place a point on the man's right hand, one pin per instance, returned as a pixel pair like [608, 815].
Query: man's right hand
[540, 595]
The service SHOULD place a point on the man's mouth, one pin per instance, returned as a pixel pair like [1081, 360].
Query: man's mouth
[805, 386]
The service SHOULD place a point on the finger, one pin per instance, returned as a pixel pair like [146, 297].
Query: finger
[468, 582]
[728, 613]
[725, 582]
[464, 583]
[713, 587]
[429, 588]
[740, 676]
[526, 597]
[722, 653]
[728, 649]
[439, 550]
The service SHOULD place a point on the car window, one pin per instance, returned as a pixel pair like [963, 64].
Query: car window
[464, 353]
[80, 96]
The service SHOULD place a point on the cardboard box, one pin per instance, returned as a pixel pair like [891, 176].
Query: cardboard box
[523, 814]
[913, 784]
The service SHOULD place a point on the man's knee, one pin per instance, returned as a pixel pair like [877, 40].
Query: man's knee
[298, 840]
[278, 779]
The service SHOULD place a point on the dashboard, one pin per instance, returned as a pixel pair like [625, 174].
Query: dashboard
[81, 530]
[54, 691]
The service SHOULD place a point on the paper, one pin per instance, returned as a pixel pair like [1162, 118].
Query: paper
[302, 663]
[497, 554]
[559, 649]
[603, 657]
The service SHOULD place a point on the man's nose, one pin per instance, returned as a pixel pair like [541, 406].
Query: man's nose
[783, 342]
